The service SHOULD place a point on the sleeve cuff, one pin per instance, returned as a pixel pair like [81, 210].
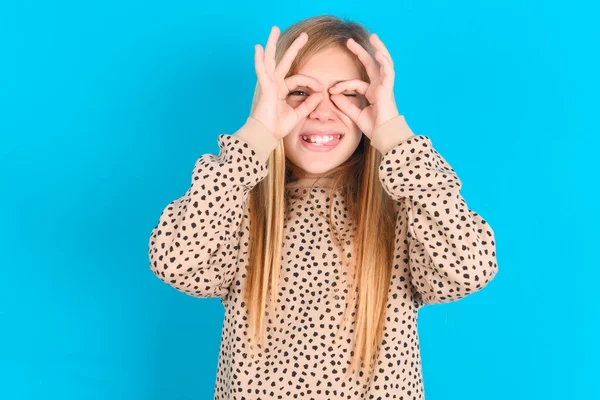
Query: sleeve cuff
[390, 134]
[259, 137]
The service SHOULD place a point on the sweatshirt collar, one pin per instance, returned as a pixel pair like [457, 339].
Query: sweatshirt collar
[308, 182]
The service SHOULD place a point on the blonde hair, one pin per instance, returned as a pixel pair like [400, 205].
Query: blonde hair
[368, 206]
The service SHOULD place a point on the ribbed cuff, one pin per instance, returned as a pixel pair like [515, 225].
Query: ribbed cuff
[259, 137]
[390, 134]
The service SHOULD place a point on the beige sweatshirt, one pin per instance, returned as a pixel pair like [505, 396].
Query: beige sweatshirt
[444, 252]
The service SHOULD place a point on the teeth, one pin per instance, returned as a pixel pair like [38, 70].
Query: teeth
[320, 139]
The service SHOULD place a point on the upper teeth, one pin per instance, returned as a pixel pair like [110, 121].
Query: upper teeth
[321, 139]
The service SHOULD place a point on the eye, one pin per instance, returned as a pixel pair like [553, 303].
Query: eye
[296, 91]
[301, 91]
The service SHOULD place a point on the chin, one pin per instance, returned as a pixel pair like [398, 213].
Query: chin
[319, 163]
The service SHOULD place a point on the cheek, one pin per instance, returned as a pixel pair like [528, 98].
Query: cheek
[353, 129]
[289, 140]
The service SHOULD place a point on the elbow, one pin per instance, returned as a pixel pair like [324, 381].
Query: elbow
[488, 272]
[195, 276]
[164, 268]
[170, 271]
[163, 262]
[199, 283]
[478, 277]
[478, 266]
[469, 280]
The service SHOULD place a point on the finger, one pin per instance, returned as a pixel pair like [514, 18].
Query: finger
[259, 65]
[387, 71]
[347, 107]
[298, 80]
[366, 58]
[354, 84]
[308, 105]
[270, 50]
[378, 43]
[286, 61]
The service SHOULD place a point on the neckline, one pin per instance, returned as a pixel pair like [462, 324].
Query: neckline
[319, 182]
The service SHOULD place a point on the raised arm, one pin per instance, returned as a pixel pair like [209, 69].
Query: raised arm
[452, 249]
[195, 245]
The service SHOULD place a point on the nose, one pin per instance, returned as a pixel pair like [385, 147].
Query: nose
[325, 110]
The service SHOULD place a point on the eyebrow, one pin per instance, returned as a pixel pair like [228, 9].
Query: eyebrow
[333, 83]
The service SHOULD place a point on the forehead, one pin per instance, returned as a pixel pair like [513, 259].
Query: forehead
[330, 66]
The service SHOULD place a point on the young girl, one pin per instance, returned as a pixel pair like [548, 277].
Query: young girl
[323, 225]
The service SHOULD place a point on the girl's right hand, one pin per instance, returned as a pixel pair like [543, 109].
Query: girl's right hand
[272, 108]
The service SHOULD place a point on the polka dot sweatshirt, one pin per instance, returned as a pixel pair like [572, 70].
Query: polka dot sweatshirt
[443, 252]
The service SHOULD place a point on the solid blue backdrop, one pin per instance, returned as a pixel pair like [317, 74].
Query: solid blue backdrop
[106, 106]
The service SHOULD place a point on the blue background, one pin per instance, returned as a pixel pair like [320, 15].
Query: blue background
[105, 107]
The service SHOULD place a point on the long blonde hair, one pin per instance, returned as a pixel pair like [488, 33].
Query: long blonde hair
[368, 206]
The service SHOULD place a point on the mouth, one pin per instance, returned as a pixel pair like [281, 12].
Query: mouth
[321, 142]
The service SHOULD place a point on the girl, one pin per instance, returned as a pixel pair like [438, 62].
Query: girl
[323, 225]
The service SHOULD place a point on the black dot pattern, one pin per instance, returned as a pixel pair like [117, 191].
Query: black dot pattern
[443, 252]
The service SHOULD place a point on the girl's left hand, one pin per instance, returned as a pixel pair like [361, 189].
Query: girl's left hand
[379, 93]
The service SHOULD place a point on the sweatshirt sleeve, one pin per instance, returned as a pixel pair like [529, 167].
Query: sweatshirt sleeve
[194, 247]
[452, 249]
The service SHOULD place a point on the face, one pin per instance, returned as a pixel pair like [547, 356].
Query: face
[310, 160]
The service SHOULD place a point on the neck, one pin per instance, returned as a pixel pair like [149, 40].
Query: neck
[300, 174]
